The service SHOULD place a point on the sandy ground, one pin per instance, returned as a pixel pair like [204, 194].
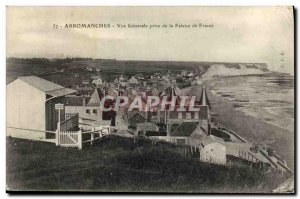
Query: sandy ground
[249, 127]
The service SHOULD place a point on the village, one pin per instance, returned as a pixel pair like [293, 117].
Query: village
[71, 116]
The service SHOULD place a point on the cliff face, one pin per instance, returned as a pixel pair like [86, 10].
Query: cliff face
[219, 70]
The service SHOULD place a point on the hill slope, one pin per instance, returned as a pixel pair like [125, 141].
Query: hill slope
[118, 164]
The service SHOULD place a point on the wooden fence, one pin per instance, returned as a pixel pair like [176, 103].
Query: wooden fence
[76, 138]
[97, 133]
[69, 139]
[62, 138]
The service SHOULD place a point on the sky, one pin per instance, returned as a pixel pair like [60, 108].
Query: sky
[239, 34]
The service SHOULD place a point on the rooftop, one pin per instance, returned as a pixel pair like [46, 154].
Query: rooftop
[185, 129]
[46, 86]
[41, 84]
[211, 139]
[96, 97]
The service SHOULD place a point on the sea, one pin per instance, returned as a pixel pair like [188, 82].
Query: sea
[269, 97]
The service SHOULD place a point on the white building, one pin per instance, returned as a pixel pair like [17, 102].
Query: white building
[90, 113]
[190, 74]
[212, 150]
[97, 81]
[133, 80]
[89, 68]
[30, 107]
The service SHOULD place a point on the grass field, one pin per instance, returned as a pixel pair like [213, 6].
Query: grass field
[119, 164]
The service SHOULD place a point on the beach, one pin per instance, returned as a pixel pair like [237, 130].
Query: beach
[250, 126]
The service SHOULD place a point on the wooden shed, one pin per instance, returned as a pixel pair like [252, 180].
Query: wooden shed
[30, 107]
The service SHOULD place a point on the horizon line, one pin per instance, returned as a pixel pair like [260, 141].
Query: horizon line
[135, 60]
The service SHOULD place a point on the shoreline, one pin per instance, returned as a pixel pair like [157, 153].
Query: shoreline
[269, 113]
[285, 124]
[251, 128]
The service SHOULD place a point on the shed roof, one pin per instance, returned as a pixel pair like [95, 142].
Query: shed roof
[185, 129]
[46, 86]
[41, 84]
[209, 140]
[60, 92]
[147, 125]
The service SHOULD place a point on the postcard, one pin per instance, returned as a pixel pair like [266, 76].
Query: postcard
[150, 99]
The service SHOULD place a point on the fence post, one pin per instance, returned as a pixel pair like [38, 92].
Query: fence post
[79, 134]
[77, 119]
[56, 137]
[58, 132]
[92, 135]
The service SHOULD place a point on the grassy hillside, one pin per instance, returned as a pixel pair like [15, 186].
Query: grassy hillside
[119, 164]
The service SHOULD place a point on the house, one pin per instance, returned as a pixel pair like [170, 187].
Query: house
[96, 97]
[132, 118]
[154, 80]
[85, 82]
[74, 100]
[121, 78]
[183, 73]
[182, 133]
[132, 82]
[155, 91]
[89, 68]
[144, 91]
[90, 113]
[95, 77]
[186, 133]
[97, 81]
[121, 85]
[31, 107]
[213, 150]
[146, 127]
[190, 74]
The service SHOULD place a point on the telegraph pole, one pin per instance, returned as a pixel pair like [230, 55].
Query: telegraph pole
[58, 107]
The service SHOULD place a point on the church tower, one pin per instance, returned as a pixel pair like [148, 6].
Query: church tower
[204, 114]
